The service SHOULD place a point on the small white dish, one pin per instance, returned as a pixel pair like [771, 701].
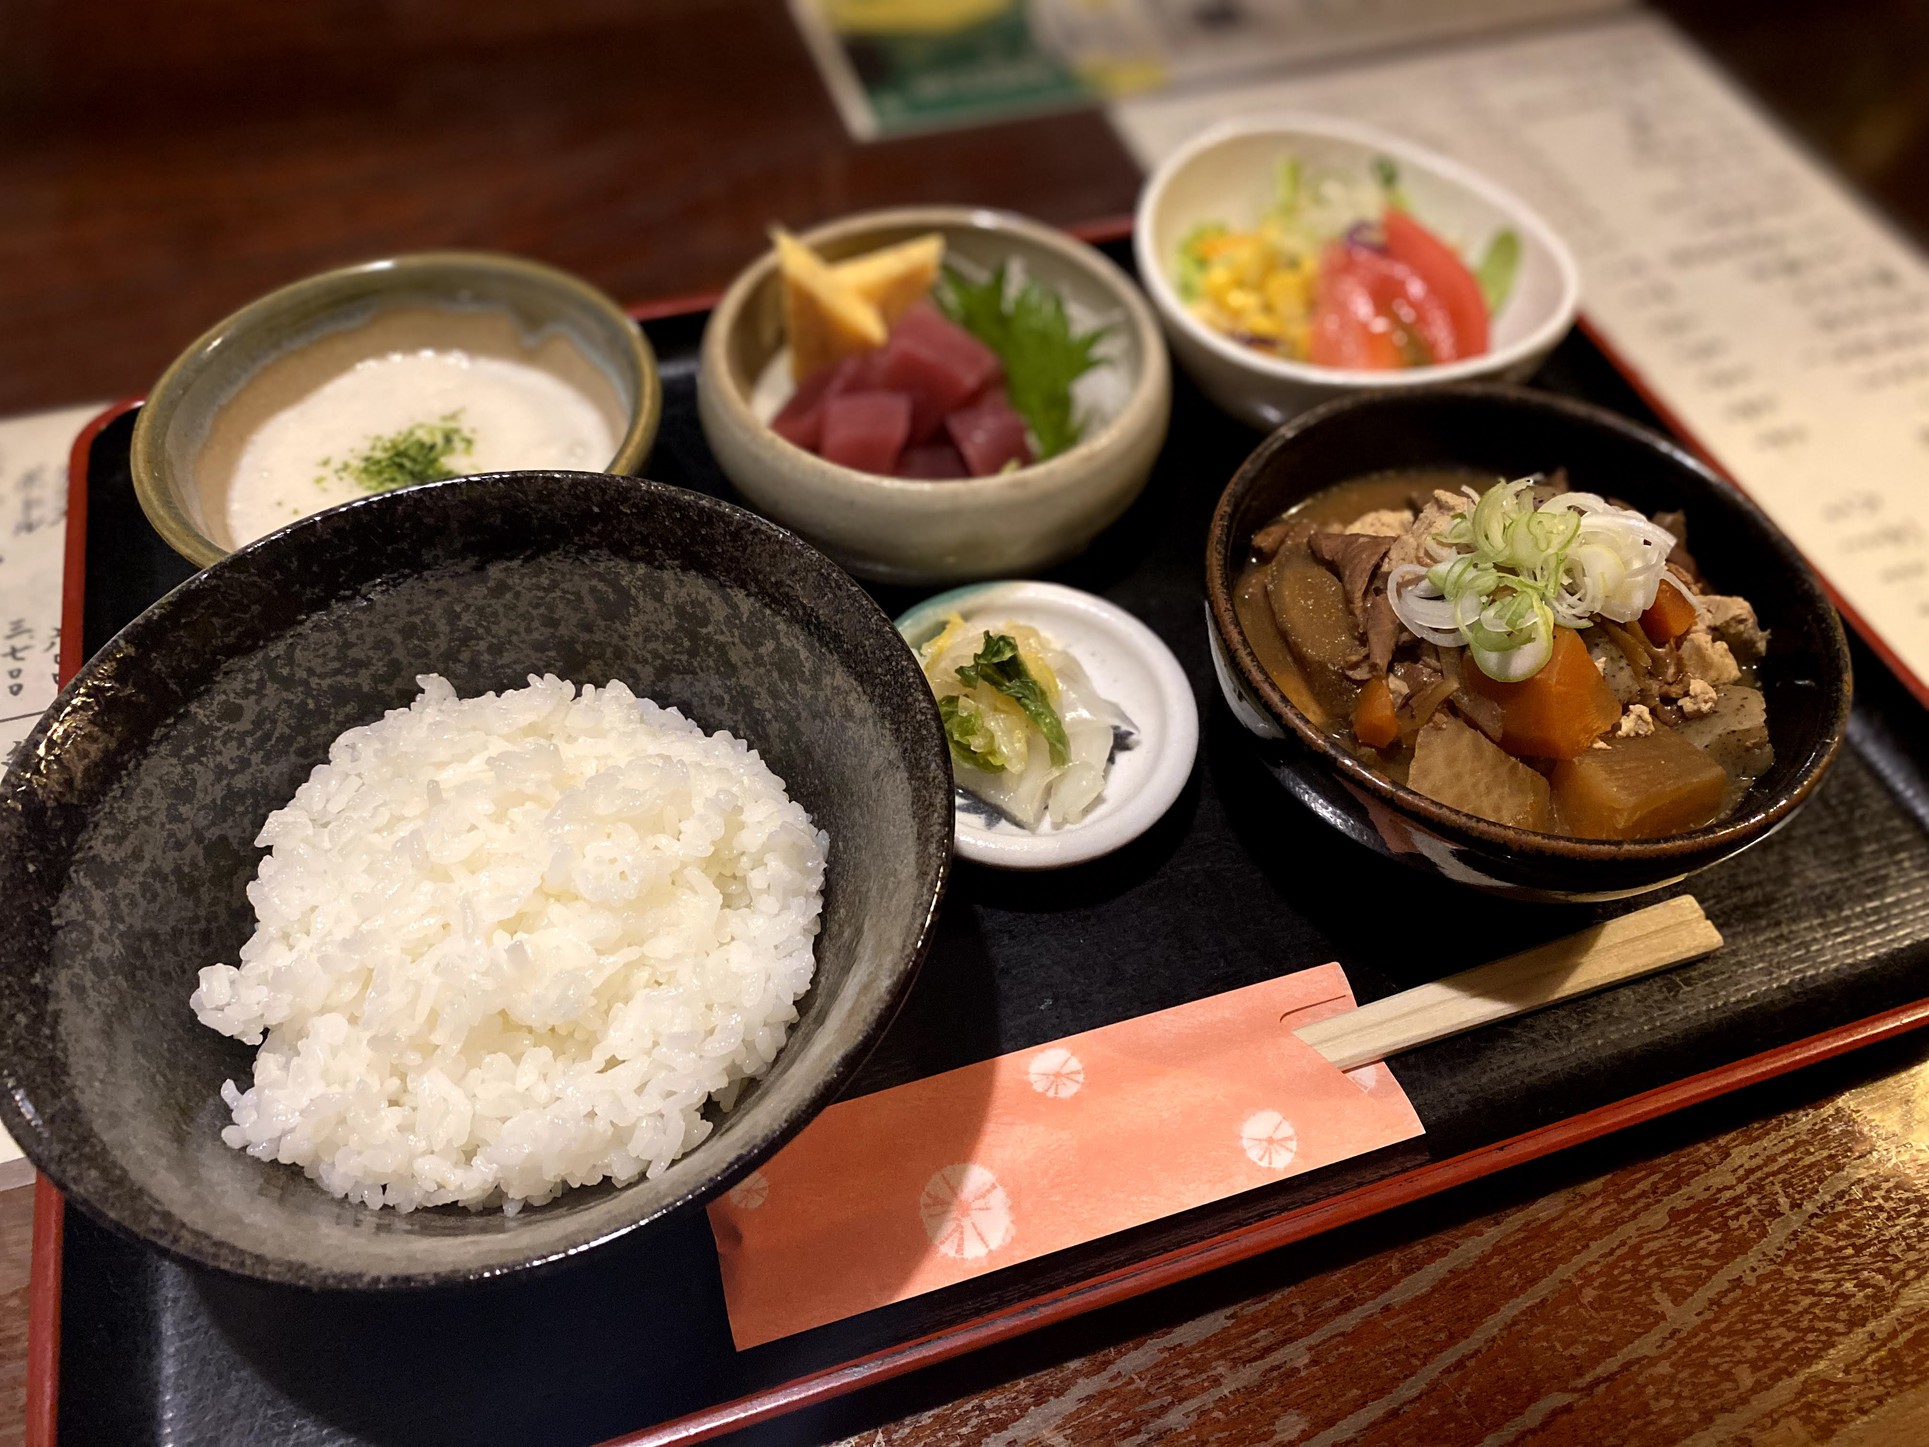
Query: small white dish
[1227, 174]
[1130, 665]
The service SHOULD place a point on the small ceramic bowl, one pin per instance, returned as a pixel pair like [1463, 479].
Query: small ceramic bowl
[1227, 175]
[1130, 666]
[905, 531]
[129, 817]
[190, 431]
[1512, 432]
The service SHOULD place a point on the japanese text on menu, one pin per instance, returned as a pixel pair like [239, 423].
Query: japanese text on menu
[33, 517]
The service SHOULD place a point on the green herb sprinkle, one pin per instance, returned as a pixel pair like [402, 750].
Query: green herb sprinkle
[401, 459]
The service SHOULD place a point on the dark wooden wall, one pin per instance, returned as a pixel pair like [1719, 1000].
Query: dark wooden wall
[160, 164]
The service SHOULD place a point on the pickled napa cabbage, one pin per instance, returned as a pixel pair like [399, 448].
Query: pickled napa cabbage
[1029, 734]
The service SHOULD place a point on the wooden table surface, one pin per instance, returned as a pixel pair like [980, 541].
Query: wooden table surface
[1754, 1271]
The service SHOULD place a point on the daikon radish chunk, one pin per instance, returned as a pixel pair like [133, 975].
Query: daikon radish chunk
[1462, 768]
[1639, 788]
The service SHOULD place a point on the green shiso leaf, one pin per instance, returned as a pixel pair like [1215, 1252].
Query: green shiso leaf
[1033, 338]
[998, 666]
[1495, 273]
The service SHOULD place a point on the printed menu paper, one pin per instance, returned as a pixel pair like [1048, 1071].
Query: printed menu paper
[1780, 320]
[33, 536]
[935, 1182]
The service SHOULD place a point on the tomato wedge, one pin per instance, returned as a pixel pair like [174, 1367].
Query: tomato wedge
[1348, 330]
[1446, 276]
[1374, 314]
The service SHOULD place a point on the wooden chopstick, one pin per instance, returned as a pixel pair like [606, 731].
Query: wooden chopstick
[1624, 948]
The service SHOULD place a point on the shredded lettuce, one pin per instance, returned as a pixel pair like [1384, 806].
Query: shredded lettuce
[997, 665]
[1190, 277]
[1388, 175]
[1287, 187]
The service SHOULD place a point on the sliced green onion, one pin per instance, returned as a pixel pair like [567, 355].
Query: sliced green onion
[1508, 572]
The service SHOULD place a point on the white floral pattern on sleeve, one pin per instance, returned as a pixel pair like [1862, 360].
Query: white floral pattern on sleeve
[1269, 1140]
[966, 1213]
[1056, 1073]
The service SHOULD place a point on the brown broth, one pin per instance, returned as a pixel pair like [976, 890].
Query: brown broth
[1325, 695]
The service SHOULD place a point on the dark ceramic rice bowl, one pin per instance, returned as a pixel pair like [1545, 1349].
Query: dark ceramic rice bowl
[1512, 431]
[127, 826]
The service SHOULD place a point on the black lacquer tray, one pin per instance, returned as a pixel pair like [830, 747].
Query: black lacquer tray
[1827, 926]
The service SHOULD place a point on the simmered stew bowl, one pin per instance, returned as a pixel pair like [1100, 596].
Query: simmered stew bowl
[1512, 432]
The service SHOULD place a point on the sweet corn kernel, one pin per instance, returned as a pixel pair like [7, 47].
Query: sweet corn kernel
[1286, 292]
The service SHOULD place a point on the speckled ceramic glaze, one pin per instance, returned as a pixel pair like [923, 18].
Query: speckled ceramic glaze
[1512, 432]
[127, 828]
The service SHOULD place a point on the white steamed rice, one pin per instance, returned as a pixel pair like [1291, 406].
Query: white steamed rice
[515, 943]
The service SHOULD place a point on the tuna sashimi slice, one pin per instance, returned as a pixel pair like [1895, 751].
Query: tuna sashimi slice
[866, 373]
[938, 364]
[992, 391]
[932, 461]
[866, 430]
[801, 419]
[989, 436]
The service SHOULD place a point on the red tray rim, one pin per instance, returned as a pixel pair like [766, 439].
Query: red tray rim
[1123, 1283]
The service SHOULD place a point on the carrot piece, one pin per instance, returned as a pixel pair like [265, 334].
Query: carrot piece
[1558, 712]
[1375, 724]
[1672, 615]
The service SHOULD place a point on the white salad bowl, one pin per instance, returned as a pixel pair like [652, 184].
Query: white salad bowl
[1228, 174]
[902, 530]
